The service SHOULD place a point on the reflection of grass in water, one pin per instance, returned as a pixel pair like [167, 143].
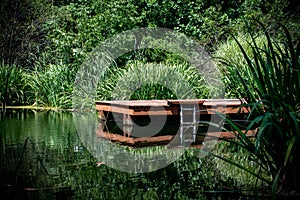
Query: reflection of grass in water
[188, 177]
[241, 156]
[68, 163]
[185, 178]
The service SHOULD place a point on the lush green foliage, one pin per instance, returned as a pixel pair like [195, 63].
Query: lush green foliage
[53, 86]
[22, 31]
[152, 81]
[271, 86]
[229, 51]
[66, 30]
[62, 33]
[13, 83]
[79, 26]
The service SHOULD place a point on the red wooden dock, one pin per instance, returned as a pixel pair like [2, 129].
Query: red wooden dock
[146, 108]
[170, 107]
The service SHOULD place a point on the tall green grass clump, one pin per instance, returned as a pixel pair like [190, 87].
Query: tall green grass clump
[12, 85]
[229, 51]
[269, 79]
[53, 85]
[144, 81]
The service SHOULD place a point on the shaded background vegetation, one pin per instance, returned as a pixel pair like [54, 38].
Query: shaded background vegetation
[53, 37]
[32, 28]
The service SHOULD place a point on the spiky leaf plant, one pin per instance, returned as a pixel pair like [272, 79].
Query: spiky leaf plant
[11, 85]
[143, 81]
[270, 82]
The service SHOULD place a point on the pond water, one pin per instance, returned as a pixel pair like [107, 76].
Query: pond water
[43, 156]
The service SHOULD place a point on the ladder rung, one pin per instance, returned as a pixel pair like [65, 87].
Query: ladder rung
[187, 123]
[189, 109]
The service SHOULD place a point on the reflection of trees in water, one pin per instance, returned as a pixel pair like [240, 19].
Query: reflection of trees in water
[40, 168]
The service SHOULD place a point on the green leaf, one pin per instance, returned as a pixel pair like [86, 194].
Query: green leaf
[275, 184]
[289, 150]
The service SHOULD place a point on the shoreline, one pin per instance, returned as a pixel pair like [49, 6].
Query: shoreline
[35, 108]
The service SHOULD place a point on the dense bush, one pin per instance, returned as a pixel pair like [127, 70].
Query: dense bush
[66, 30]
[22, 31]
[79, 26]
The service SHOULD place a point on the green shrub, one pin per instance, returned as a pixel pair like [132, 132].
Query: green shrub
[22, 31]
[77, 27]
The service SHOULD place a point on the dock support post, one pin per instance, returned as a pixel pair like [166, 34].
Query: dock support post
[102, 116]
[127, 125]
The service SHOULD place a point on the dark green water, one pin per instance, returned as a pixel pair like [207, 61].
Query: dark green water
[43, 157]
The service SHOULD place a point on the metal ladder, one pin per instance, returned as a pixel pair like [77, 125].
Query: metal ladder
[188, 124]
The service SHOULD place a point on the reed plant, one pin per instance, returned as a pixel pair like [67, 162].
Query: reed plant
[229, 51]
[12, 85]
[53, 85]
[270, 82]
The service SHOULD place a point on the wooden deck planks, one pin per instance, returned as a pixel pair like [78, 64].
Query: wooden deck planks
[134, 103]
[170, 107]
[164, 107]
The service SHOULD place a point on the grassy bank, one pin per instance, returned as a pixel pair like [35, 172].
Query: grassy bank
[53, 85]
